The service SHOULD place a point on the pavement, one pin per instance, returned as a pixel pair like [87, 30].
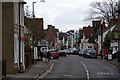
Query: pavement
[31, 73]
[111, 61]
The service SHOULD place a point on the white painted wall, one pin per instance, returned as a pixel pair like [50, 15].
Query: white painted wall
[16, 33]
[104, 35]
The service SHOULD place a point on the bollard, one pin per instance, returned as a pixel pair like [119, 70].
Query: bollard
[4, 68]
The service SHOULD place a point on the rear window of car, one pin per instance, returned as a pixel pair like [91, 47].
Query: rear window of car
[61, 50]
[52, 52]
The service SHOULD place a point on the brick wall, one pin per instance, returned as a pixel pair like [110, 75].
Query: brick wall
[36, 25]
[51, 35]
[87, 31]
[8, 36]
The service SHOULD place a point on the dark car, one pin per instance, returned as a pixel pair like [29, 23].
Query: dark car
[54, 55]
[114, 54]
[75, 52]
[90, 53]
[81, 52]
[62, 53]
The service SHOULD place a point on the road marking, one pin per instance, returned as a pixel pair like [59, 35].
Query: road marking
[104, 73]
[88, 77]
[68, 75]
[48, 71]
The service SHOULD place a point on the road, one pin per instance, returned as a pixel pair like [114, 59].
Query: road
[77, 67]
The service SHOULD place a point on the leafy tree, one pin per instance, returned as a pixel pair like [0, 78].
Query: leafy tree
[106, 43]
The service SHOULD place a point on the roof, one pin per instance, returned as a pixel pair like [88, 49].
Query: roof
[87, 31]
[94, 36]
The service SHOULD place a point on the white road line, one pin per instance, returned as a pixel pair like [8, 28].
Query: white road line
[48, 71]
[68, 75]
[88, 76]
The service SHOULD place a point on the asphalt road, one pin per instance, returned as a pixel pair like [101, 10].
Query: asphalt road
[76, 67]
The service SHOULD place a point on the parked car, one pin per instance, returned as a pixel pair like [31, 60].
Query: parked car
[81, 53]
[90, 53]
[62, 53]
[67, 51]
[54, 55]
[75, 52]
[114, 54]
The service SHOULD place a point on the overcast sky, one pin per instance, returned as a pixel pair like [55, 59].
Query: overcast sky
[63, 14]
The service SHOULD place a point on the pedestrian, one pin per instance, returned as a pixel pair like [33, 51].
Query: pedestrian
[41, 55]
[48, 55]
[109, 51]
[109, 54]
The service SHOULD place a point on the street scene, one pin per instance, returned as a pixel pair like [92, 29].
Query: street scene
[79, 67]
[60, 40]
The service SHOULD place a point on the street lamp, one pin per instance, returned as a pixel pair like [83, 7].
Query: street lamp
[33, 7]
[33, 18]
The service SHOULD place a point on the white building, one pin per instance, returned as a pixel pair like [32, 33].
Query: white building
[114, 44]
[19, 34]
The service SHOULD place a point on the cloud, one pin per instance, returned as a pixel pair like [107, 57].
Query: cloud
[64, 14]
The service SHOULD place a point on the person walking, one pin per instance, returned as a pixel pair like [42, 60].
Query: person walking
[48, 55]
[41, 55]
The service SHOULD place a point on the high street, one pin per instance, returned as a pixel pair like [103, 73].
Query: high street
[74, 66]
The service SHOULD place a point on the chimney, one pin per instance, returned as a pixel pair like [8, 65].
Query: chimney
[96, 25]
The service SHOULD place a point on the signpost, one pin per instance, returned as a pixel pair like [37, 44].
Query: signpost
[116, 35]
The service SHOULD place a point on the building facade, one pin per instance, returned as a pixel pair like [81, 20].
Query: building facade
[51, 35]
[13, 36]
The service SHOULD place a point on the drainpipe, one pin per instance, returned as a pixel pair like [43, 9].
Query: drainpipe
[101, 42]
[20, 63]
[19, 41]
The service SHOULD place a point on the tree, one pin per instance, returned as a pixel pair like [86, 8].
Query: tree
[106, 43]
[103, 10]
[27, 12]
[28, 32]
[28, 40]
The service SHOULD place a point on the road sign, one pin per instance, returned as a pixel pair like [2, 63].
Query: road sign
[116, 35]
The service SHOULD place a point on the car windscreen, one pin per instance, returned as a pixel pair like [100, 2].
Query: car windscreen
[91, 51]
[82, 51]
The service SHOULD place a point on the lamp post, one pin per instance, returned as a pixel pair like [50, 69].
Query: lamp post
[33, 7]
[33, 14]
[101, 41]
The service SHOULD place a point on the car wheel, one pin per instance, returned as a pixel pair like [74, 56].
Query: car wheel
[57, 57]
[84, 56]
[96, 57]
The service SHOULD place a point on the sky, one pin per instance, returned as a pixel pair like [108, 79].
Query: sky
[63, 14]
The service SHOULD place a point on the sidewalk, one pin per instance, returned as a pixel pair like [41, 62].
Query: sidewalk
[32, 73]
[113, 62]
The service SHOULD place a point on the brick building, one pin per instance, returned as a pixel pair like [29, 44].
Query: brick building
[13, 37]
[36, 27]
[51, 35]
